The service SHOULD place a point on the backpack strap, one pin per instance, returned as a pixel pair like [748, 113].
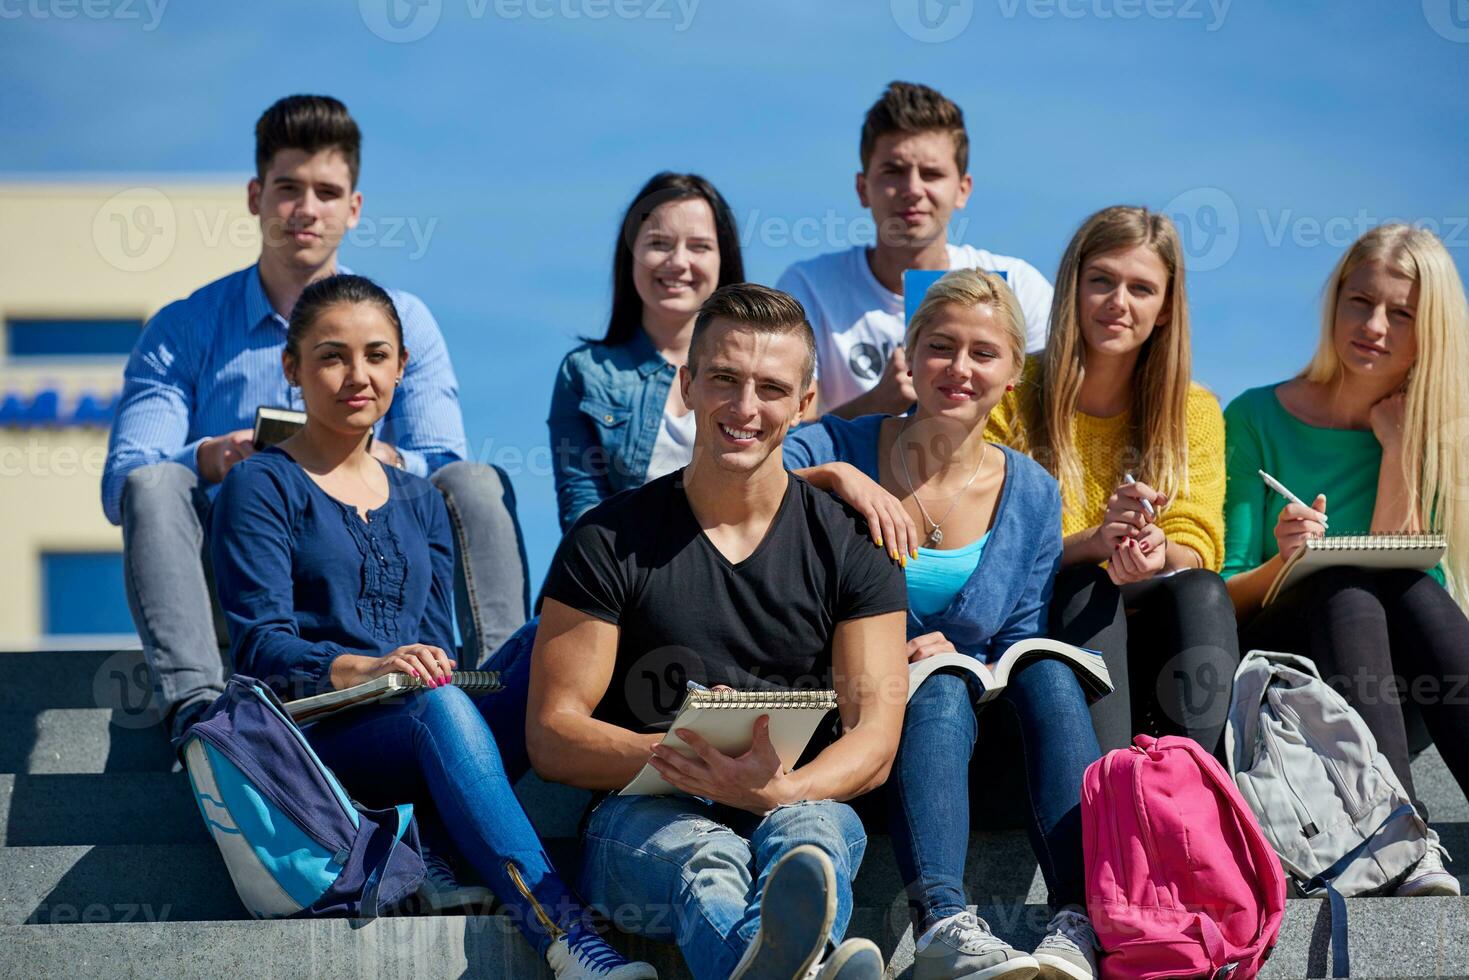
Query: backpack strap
[404, 813]
[1341, 965]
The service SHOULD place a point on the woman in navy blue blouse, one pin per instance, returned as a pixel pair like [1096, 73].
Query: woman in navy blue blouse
[334, 569]
[990, 522]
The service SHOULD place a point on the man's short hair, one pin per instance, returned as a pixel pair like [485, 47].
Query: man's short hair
[310, 123]
[906, 107]
[761, 310]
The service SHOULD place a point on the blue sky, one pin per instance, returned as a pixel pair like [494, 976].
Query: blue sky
[510, 135]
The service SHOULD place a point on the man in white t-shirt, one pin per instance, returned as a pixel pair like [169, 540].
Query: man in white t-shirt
[915, 162]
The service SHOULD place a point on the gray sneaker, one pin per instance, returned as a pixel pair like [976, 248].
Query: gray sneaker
[963, 946]
[797, 908]
[855, 959]
[442, 892]
[1069, 951]
[1429, 877]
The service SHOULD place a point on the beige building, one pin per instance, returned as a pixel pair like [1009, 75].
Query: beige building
[82, 267]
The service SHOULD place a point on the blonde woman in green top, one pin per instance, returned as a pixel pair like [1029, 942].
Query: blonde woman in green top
[1375, 423]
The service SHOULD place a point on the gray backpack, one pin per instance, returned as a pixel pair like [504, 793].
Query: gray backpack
[1327, 799]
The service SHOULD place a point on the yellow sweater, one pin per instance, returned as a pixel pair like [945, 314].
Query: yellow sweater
[1194, 517]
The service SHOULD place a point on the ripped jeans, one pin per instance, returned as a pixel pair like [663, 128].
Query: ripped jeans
[681, 869]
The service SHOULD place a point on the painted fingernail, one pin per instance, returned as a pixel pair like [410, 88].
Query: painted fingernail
[879, 540]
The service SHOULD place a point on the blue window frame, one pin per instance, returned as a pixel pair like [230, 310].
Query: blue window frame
[82, 593]
[38, 338]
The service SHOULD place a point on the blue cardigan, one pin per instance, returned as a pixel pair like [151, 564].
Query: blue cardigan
[303, 579]
[1006, 598]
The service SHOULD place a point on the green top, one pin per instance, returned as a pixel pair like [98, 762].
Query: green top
[1261, 435]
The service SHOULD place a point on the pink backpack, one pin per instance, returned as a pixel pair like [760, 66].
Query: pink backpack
[1180, 882]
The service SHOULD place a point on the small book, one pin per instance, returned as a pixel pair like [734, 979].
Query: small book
[319, 706]
[273, 425]
[1419, 552]
[726, 719]
[1090, 669]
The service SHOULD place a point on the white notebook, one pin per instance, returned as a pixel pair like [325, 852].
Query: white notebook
[726, 719]
[1419, 552]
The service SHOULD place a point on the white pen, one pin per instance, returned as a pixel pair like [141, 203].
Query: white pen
[1279, 488]
[1147, 504]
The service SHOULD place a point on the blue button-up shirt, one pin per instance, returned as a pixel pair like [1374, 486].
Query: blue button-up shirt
[204, 364]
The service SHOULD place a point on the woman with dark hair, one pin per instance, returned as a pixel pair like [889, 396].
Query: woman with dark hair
[333, 569]
[615, 421]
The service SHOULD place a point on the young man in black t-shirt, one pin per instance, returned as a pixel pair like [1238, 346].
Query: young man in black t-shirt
[729, 572]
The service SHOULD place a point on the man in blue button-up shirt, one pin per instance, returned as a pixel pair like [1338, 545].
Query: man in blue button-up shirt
[204, 364]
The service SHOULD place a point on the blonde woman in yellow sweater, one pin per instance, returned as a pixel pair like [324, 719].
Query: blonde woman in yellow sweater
[1138, 449]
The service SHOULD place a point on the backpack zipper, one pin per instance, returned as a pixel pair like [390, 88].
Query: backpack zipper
[1354, 805]
[1303, 813]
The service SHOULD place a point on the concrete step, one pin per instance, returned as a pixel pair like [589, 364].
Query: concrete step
[75, 679]
[48, 810]
[1390, 938]
[51, 883]
[82, 740]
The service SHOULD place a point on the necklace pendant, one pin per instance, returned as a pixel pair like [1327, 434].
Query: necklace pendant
[936, 538]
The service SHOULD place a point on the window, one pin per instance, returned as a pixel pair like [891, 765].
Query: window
[82, 593]
[37, 338]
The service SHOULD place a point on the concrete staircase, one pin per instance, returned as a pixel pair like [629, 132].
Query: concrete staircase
[106, 869]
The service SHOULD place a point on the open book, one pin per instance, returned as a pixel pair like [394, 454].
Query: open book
[726, 720]
[273, 425]
[1419, 552]
[1088, 664]
[318, 706]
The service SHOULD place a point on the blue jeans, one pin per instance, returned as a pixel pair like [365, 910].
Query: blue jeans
[681, 869]
[436, 747]
[165, 510]
[928, 791]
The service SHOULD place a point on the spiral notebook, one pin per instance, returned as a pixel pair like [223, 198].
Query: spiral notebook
[318, 706]
[1416, 551]
[726, 719]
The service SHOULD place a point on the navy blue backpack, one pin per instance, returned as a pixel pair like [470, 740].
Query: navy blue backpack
[294, 842]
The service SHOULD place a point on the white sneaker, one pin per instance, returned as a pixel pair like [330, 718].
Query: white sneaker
[1429, 877]
[581, 954]
[855, 959]
[963, 946]
[1069, 951]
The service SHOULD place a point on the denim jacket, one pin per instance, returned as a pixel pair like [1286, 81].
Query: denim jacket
[605, 411]
[1006, 598]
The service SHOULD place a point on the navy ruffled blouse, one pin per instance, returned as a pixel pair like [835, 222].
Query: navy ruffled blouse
[302, 578]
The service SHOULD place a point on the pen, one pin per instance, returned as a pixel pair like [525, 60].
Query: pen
[1279, 488]
[695, 686]
[1147, 504]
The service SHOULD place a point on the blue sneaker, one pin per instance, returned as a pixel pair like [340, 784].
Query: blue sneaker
[581, 954]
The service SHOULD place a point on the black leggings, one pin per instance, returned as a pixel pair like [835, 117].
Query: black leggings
[1170, 644]
[1388, 640]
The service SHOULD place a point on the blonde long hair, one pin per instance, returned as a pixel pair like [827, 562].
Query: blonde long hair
[1161, 377]
[1436, 419]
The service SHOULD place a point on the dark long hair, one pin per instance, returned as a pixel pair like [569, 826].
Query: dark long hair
[627, 306]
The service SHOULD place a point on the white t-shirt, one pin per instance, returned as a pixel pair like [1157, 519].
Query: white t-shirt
[674, 446]
[858, 321]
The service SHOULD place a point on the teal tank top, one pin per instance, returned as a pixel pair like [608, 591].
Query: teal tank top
[937, 576]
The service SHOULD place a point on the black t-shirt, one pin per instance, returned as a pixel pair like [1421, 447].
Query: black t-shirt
[641, 561]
